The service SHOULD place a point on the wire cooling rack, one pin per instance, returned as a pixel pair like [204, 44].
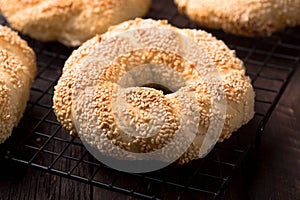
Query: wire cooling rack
[40, 141]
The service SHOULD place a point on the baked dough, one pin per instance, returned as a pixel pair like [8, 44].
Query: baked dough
[71, 22]
[106, 77]
[243, 17]
[17, 70]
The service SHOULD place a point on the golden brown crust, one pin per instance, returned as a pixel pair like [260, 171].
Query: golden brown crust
[71, 22]
[64, 89]
[238, 90]
[243, 17]
[17, 69]
[10, 41]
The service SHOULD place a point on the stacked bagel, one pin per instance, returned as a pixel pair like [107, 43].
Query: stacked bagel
[102, 63]
[17, 71]
[70, 22]
[243, 17]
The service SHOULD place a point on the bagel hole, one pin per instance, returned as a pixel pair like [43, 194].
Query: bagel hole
[156, 86]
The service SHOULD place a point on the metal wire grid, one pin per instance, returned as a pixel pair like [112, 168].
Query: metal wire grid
[39, 141]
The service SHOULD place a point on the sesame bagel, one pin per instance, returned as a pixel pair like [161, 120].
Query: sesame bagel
[70, 22]
[243, 17]
[105, 94]
[17, 70]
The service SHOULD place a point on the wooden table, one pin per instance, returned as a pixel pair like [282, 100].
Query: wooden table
[275, 171]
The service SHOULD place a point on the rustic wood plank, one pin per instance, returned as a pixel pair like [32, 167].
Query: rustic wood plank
[276, 173]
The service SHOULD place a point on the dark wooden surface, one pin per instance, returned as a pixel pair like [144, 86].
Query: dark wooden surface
[274, 173]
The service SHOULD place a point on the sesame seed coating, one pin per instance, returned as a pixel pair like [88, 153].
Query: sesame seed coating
[10, 41]
[70, 22]
[102, 90]
[17, 69]
[243, 17]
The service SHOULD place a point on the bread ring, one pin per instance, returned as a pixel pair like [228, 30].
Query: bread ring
[70, 22]
[243, 17]
[105, 68]
[17, 69]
